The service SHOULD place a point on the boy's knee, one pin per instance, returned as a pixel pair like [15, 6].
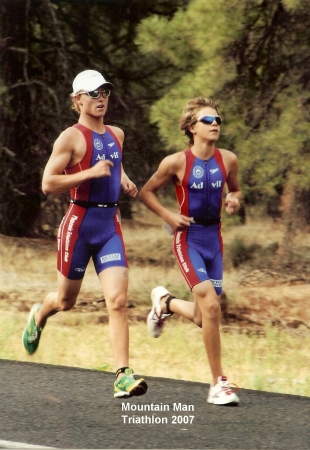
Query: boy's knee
[214, 310]
[118, 303]
[198, 321]
[211, 310]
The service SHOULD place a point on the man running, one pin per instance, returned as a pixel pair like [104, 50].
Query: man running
[87, 160]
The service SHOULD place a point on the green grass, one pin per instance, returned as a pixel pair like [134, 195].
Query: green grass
[273, 361]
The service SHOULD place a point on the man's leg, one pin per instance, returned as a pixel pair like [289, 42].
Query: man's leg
[114, 282]
[61, 300]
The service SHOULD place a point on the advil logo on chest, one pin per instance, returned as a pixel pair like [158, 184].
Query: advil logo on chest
[197, 186]
[100, 158]
[114, 155]
[217, 184]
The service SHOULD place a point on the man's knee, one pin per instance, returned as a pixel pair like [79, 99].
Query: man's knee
[66, 303]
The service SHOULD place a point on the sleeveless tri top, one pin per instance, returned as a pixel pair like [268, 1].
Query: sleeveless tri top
[98, 147]
[201, 191]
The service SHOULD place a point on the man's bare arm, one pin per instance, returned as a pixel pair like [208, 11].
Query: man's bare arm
[54, 180]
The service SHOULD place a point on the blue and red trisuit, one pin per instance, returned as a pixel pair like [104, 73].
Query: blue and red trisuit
[91, 227]
[199, 248]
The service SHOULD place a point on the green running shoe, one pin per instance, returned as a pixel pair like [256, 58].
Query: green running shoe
[32, 333]
[127, 385]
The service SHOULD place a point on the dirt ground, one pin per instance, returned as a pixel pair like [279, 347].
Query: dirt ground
[259, 297]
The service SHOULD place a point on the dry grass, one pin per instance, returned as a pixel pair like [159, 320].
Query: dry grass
[262, 347]
[275, 361]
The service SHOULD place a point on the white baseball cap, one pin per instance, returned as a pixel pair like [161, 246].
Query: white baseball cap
[89, 80]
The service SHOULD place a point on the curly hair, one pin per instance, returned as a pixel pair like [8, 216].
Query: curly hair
[189, 114]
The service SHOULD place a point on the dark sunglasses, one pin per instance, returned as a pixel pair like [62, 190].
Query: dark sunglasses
[96, 94]
[210, 119]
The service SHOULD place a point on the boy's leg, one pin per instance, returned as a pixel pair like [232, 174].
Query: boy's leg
[209, 306]
[188, 310]
[205, 312]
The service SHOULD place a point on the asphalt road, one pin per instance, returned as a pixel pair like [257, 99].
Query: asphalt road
[64, 407]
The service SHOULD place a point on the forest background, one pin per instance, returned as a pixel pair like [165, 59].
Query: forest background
[252, 56]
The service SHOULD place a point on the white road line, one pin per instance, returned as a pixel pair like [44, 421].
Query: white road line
[21, 445]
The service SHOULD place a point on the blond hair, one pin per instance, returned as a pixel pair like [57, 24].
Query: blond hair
[189, 114]
[74, 104]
